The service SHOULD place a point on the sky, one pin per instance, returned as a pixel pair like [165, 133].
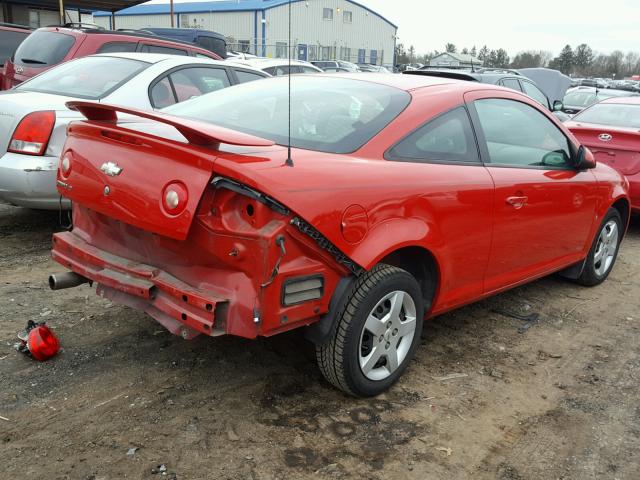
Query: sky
[511, 24]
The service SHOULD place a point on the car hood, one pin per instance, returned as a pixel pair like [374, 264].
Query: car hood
[553, 83]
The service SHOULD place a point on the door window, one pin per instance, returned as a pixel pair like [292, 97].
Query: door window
[193, 82]
[519, 135]
[244, 76]
[535, 93]
[187, 83]
[159, 49]
[111, 47]
[448, 138]
[511, 83]
[162, 94]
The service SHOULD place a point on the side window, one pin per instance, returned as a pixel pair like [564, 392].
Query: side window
[448, 138]
[511, 83]
[111, 47]
[244, 76]
[162, 94]
[193, 82]
[308, 70]
[159, 49]
[535, 93]
[270, 70]
[519, 135]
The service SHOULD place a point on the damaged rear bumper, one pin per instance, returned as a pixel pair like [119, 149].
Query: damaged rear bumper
[179, 307]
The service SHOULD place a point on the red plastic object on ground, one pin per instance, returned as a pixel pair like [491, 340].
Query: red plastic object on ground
[39, 341]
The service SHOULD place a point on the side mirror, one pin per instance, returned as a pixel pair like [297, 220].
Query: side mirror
[558, 105]
[585, 159]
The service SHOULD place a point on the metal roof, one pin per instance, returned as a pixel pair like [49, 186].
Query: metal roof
[87, 5]
[218, 6]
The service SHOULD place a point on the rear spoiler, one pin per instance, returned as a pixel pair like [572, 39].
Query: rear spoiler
[196, 132]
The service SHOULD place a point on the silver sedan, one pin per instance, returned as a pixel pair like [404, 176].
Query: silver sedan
[34, 118]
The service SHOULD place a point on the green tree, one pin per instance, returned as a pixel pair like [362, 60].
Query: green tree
[583, 58]
[483, 55]
[528, 59]
[492, 59]
[465, 51]
[502, 58]
[565, 61]
[450, 48]
[473, 51]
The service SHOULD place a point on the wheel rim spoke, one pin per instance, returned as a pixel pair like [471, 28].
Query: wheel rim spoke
[371, 360]
[375, 325]
[407, 327]
[392, 360]
[396, 305]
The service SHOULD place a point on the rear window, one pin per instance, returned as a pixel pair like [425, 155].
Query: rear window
[77, 78]
[9, 41]
[615, 115]
[215, 45]
[334, 115]
[43, 48]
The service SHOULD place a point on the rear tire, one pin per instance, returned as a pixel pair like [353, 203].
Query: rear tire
[604, 251]
[378, 330]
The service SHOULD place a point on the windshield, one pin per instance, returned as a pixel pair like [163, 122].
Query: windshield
[78, 78]
[613, 114]
[43, 48]
[335, 115]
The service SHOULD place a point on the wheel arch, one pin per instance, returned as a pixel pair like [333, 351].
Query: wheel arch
[623, 206]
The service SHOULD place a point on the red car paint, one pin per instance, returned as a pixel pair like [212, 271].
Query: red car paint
[221, 265]
[617, 147]
[89, 42]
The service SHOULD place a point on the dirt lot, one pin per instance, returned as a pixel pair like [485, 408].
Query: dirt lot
[559, 400]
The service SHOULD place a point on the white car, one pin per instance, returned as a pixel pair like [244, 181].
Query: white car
[34, 117]
[279, 66]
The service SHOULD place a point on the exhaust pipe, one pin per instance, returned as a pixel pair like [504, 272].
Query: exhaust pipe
[66, 280]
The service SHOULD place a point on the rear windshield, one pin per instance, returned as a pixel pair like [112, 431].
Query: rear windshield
[335, 115]
[9, 41]
[44, 48]
[215, 45]
[78, 78]
[613, 114]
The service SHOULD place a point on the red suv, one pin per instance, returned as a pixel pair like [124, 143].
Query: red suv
[49, 46]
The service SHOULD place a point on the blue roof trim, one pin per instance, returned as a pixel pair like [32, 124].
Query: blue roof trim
[225, 6]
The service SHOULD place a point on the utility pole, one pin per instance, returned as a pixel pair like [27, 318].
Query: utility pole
[62, 12]
[171, 9]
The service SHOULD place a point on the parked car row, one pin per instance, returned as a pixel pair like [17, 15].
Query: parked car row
[354, 206]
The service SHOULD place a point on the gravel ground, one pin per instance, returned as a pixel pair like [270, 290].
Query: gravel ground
[484, 398]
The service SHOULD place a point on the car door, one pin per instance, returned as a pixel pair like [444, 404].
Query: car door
[460, 193]
[544, 207]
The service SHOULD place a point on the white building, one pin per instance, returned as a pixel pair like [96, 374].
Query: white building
[320, 29]
[449, 59]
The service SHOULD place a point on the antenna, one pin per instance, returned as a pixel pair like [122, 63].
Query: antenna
[289, 161]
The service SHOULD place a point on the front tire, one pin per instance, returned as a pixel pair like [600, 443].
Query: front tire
[604, 251]
[378, 330]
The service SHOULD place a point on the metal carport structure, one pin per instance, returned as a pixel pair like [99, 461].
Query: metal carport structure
[84, 5]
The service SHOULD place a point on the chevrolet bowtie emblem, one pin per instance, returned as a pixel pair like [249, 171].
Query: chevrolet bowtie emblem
[111, 169]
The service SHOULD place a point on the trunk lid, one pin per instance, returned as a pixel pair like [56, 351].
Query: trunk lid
[617, 147]
[140, 178]
[14, 105]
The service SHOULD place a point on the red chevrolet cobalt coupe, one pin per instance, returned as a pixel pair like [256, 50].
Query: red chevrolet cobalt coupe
[403, 197]
[611, 129]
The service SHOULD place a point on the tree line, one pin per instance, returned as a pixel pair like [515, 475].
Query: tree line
[581, 61]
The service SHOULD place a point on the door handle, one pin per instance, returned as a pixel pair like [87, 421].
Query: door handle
[517, 202]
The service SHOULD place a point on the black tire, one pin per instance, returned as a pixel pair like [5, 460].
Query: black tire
[590, 275]
[339, 357]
